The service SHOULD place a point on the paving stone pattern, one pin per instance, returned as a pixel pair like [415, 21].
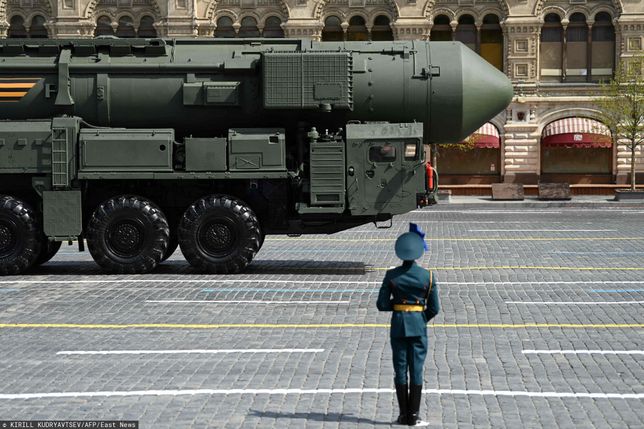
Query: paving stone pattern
[531, 255]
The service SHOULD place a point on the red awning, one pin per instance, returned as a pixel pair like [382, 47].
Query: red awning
[487, 137]
[576, 132]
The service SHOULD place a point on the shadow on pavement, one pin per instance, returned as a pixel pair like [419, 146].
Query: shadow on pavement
[319, 417]
[266, 266]
[277, 267]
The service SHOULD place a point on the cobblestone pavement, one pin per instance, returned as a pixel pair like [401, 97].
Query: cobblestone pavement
[516, 287]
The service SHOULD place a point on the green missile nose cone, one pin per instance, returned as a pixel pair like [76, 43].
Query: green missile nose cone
[468, 92]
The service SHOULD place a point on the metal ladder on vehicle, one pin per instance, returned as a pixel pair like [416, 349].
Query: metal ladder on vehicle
[59, 157]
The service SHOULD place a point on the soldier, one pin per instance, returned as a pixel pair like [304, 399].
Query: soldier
[411, 293]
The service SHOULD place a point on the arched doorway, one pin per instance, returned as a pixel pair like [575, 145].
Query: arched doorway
[273, 27]
[576, 49]
[441, 30]
[17, 27]
[492, 41]
[104, 26]
[332, 31]
[603, 47]
[146, 27]
[248, 27]
[381, 30]
[37, 28]
[477, 160]
[125, 28]
[551, 49]
[357, 30]
[466, 31]
[225, 27]
[576, 150]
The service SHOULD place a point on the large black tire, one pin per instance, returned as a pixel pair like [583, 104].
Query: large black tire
[174, 217]
[173, 244]
[48, 251]
[128, 235]
[219, 234]
[20, 234]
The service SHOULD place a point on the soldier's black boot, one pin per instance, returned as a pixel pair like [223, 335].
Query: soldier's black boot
[415, 393]
[402, 393]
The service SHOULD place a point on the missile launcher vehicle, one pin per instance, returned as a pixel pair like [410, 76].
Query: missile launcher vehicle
[137, 146]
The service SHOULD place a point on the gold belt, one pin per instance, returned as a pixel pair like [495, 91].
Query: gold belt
[408, 307]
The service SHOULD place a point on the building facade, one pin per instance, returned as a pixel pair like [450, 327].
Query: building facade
[554, 51]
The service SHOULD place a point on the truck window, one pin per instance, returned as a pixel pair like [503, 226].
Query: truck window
[382, 153]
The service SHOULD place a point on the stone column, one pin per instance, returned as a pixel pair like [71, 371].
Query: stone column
[478, 38]
[521, 153]
[564, 49]
[506, 48]
[204, 28]
[521, 39]
[589, 53]
[623, 170]
[345, 27]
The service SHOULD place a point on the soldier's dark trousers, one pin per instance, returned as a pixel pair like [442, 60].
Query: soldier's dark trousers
[409, 356]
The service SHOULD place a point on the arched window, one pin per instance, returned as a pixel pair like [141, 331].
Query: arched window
[225, 27]
[479, 159]
[17, 27]
[441, 30]
[146, 27]
[357, 29]
[126, 27]
[576, 49]
[603, 47]
[492, 41]
[332, 31]
[37, 28]
[576, 150]
[248, 27]
[273, 27]
[466, 31]
[104, 26]
[381, 29]
[551, 49]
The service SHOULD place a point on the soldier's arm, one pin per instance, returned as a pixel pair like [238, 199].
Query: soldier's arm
[384, 302]
[433, 304]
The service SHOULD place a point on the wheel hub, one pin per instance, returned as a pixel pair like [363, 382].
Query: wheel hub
[219, 235]
[217, 238]
[125, 239]
[7, 238]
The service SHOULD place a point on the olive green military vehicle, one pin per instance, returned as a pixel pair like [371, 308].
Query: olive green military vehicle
[137, 146]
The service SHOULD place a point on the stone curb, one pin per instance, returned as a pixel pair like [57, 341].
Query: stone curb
[600, 204]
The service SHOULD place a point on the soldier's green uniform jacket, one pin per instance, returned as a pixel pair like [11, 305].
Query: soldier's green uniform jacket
[408, 284]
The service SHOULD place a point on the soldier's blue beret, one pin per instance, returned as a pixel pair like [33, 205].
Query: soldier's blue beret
[409, 246]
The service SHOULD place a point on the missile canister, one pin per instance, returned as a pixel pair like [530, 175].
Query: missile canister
[201, 87]
[137, 146]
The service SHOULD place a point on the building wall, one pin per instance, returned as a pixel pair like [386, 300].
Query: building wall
[541, 97]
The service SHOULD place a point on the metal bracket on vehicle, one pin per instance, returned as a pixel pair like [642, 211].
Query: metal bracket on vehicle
[391, 222]
[64, 96]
